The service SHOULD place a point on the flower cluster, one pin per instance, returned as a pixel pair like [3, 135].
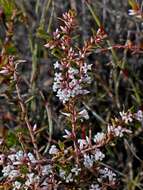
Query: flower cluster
[126, 117]
[72, 69]
[89, 160]
[53, 150]
[99, 137]
[69, 80]
[95, 187]
[105, 176]
[91, 149]
[106, 173]
[22, 171]
[70, 176]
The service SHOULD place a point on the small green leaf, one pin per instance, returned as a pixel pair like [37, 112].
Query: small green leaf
[61, 145]
[42, 34]
[57, 53]
[8, 6]
[11, 50]
[11, 139]
[23, 169]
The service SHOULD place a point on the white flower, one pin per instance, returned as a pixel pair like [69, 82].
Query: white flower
[89, 66]
[16, 185]
[69, 178]
[12, 157]
[139, 115]
[73, 71]
[76, 170]
[62, 173]
[107, 173]
[53, 150]
[82, 143]
[83, 114]
[99, 137]
[126, 116]
[68, 89]
[117, 131]
[57, 81]
[99, 155]
[7, 169]
[19, 155]
[71, 88]
[31, 157]
[86, 67]
[73, 83]
[47, 169]
[57, 65]
[14, 174]
[136, 13]
[95, 187]
[58, 77]
[132, 12]
[63, 94]
[88, 160]
[31, 179]
[56, 85]
[68, 134]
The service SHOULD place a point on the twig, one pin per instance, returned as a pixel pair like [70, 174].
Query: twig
[48, 110]
[24, 112]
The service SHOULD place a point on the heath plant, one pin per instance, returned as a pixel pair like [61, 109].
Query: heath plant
[81, 157]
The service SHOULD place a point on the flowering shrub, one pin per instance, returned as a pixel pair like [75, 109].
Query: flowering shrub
[71, 70]
[81, 157]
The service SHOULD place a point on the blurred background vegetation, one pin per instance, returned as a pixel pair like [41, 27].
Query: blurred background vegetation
[25, 26]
